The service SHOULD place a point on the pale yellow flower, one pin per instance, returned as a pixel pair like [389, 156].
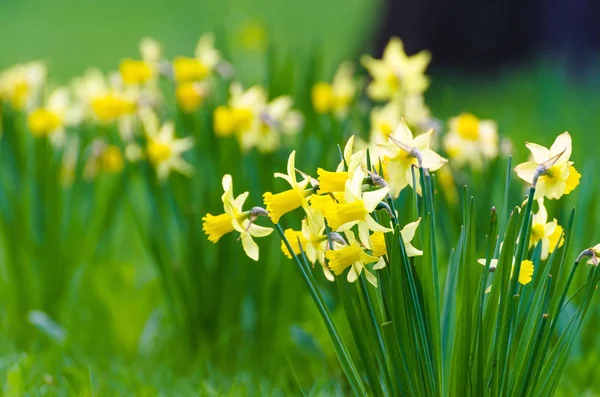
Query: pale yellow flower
[337, 96]
[163, 149]
[21, 85]
[354, 257]
[377, 242]
[142, 71]
[557, 176]
[202, 65]
[544, 232]
[525, 273]
[235, 218]
[280, 204]
[396, 74]
[52, 118]
[471, 141]
[401, 155]
[312, 240]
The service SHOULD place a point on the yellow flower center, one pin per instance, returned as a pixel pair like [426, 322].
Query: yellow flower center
[386, 129]
[228, 121]
[19, 95]
[188, 96]
[330, 182]
[109, 107]
[341, 214]
[135, 72]
[393, 82]
[112, 160]
[188, 69]
[468, 126]
[158, 152]
[43, 122]
[537, 232]
[322, 97]
[378, 243]
[217, 226]
[282, 203]
[342, 258]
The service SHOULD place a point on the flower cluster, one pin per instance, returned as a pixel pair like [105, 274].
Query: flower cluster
[341, 229]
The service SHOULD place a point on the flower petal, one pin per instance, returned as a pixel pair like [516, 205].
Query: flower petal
[372, 198]
[539, 152]
[526, 171]
[250, 247]
[432, 160]
[408, 231]
[562, 144]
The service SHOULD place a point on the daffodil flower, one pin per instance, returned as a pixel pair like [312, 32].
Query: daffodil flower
[138, 72]
[21, 84]
[201, 65]
[377, 245]
[396, 74]
[311, 239]
[52, 119]
[551, 171]
[471, 141]
[525, 273]
[281, 203]
[235, 218]
[164, 150]
[383, 121]
[356, 208]
[405, 152]
[544, 232]
[243, 110]
[351, 256]
[337, 96]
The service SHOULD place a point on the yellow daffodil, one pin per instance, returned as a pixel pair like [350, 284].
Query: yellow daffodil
[544, 232]
[276, 120]
[242, 112]
[353, 256]
[593, 253]
[164, 150]
[556, 174]
[337, 96]
[396, 74]
[377, 242]
[351, 157]
[51, 119]
[281, 203]
[403, 153]
[525, 273]
[383, 121]
[112, 159]
[471, 141]
[356, 208]
[103, 99]
[139, 72]
[21, 84]
[202, 65]
[234, 218]
[311, 239]
[190, 95]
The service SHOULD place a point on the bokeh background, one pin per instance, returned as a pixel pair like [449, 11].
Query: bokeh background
[532, 66]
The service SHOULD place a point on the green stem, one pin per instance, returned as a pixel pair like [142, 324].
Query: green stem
[340, 348]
